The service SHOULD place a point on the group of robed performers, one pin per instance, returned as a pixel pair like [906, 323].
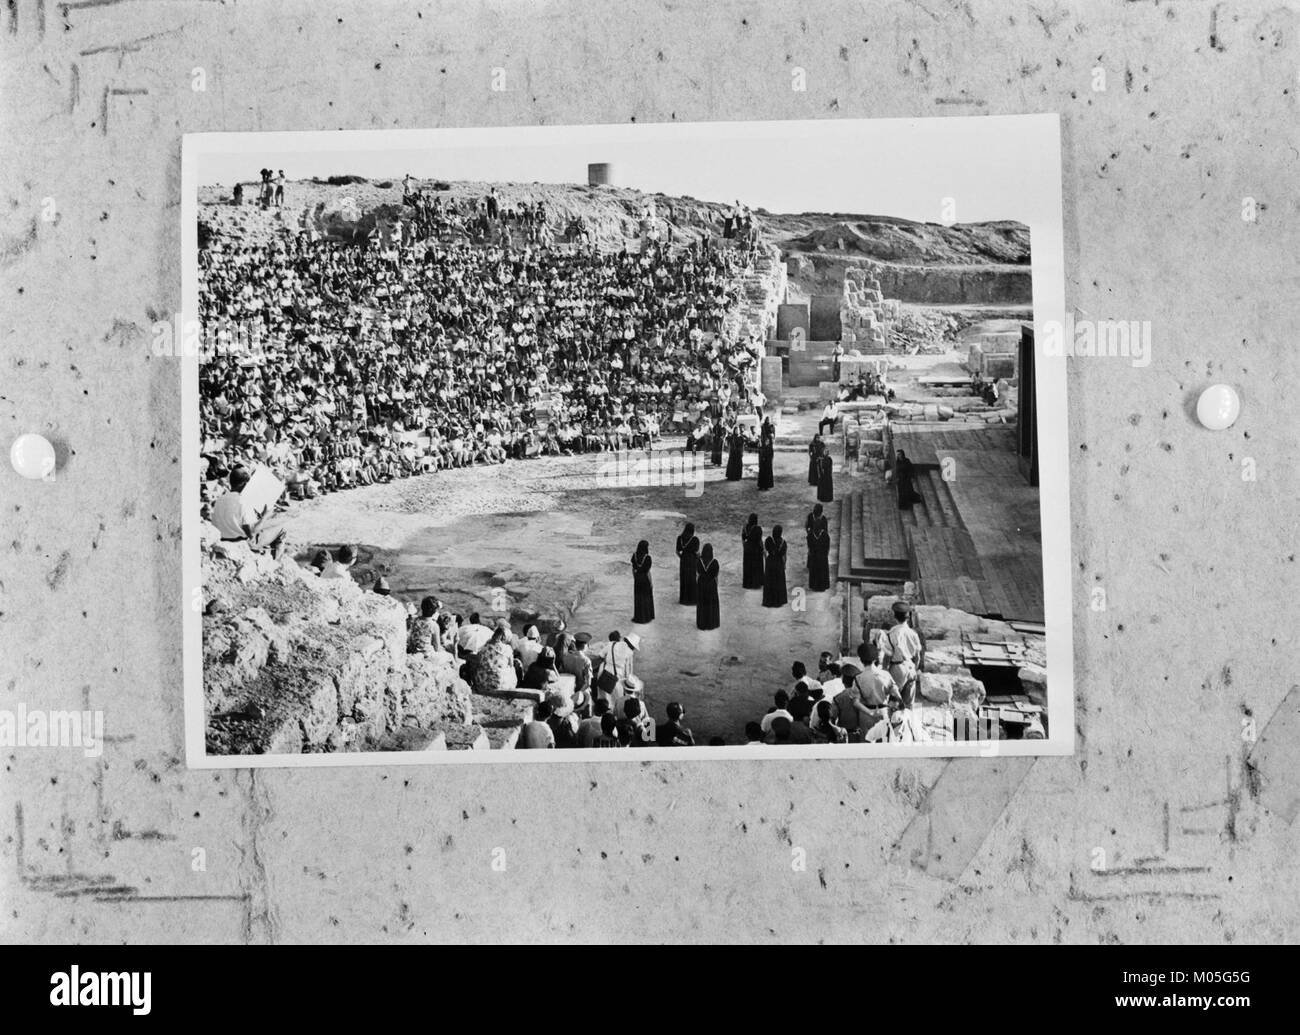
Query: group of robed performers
[764, 556]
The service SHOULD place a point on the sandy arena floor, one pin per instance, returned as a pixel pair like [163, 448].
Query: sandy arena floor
[549, 535]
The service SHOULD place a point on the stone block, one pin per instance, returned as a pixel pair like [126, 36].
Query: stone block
[1033, 681]
[944, 662]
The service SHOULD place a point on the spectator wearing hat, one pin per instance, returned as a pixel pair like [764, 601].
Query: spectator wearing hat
[529, 646]
[905, 653]
[553, 641]
[622, 654]
[562, 721]
[541, 673]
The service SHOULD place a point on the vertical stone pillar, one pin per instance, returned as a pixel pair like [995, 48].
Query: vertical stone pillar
[771, 377]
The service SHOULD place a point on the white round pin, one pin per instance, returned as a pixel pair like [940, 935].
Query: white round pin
[1218, 407]
[32, 456]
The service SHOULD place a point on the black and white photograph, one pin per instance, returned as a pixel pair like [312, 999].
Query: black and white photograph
[624, 438]
[704, 473]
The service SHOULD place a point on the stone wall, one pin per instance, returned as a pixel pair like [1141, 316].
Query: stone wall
[296, 663]
[865, 314]
[957, 285]
[762, 292]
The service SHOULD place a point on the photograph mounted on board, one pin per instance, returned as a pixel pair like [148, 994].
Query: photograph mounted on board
[676, 441]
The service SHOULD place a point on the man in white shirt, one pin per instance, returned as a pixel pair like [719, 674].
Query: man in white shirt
[799, 671]
[829, 416]
[905, 646]
[833, 684]
[237, 522]
[779, 712]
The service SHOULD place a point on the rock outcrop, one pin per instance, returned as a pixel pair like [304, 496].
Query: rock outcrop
[296, 663]
[949, 694]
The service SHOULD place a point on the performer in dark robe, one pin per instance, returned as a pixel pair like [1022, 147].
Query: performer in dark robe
[815, 450]
[819, 554]
[766, 455]
[751, 536]
[707, 613]
[715, 444]
[775, 548]
[643, 595]
[826, 478]
[735, 454]
[688, 550]
[815, 517]
[907, 494]
[768, 430]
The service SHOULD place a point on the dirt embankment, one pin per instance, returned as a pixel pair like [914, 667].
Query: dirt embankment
[614, 214]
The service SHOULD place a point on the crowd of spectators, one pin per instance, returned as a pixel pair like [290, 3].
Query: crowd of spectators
[588, 693]
[338, 365]
[866, 699]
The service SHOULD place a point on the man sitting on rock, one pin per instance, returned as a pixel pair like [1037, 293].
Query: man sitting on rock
[236, 521]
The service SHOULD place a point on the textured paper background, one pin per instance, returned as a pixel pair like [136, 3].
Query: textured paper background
[1166, 824]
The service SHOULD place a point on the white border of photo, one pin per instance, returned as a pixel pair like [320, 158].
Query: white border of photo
[1020, 152]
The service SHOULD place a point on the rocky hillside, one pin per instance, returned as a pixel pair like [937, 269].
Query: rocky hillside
[925, 262]
[295, 663]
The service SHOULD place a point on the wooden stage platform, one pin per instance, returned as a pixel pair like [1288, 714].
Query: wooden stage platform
[972, 542]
